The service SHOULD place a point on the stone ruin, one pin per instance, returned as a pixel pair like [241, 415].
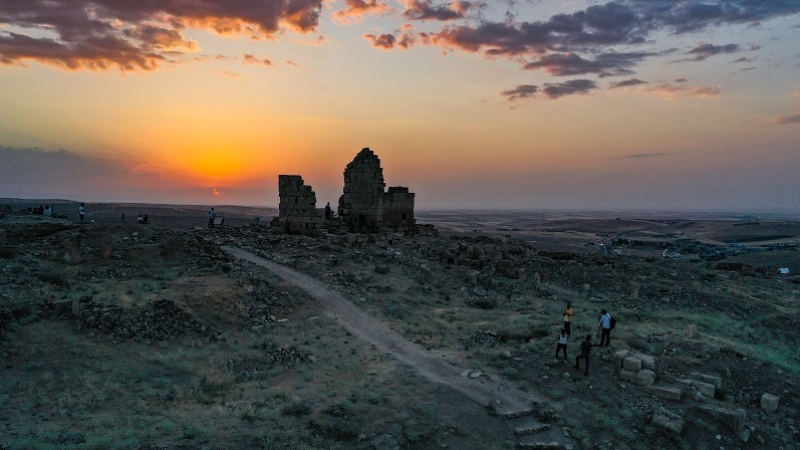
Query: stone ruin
[298, 205]
[364, 206]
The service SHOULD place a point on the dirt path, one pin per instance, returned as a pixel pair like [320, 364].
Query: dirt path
[504, 399]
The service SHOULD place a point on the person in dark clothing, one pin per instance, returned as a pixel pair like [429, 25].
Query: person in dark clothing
[562, 344]
[211, 216]
[328, 211]
[586, 348]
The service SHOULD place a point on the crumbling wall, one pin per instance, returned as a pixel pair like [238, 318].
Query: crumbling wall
[398, 209]
[298, 205]
[364, 205]
[361, 204]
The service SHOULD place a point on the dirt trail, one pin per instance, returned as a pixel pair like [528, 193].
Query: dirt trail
[504, 399]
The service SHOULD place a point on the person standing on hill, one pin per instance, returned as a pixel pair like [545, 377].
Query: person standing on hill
[562, 344]
[586, 349]
[605, 328]
[211, 216]
[328, 211]
[82, 211]
[568, 318]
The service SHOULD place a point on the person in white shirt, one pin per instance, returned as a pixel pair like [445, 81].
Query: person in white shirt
[562, 344]
[605, 328]
[82, 211]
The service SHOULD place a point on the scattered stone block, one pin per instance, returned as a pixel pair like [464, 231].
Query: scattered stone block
[733, 418]
[382, 269]
[385, 442]
[667, 422]
[645, 378]
[619, 356]
[666, 392]
[628, 375]
[707, 390]
[632, 364]
[716, 380]
[744, 435]
[769, 403]
[648, 362]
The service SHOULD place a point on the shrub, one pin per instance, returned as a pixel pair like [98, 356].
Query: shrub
[53, 278]
[297, 409]
[295, 439]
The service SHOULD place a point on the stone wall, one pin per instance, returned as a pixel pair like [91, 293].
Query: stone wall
[298, 205]
[364, 205]
[398, 209]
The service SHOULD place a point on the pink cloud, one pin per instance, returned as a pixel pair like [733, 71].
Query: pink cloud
[137, 35]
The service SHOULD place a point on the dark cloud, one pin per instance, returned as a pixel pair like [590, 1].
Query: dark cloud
[743, 59]
[703, 51]
[785, 120]
[423, 10]
[615, 23]
[681, 80]
[358, 8]
[556, 90]
[671, 90]
[626, 83]
[135, 35]
[384, 41]
[570, 64]
[251, 59]
[521, 91]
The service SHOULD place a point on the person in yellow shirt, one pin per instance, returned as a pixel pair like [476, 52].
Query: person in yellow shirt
[568, 318]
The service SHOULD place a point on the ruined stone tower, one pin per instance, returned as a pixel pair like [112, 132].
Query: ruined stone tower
[298, 204]
[364, 205]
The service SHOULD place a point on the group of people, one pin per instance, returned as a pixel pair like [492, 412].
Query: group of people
[45, 210]
[606, 324]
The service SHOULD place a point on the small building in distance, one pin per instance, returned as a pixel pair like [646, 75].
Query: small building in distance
[365, 206]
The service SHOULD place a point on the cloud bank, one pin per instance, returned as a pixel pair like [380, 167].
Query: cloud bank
[136, 35]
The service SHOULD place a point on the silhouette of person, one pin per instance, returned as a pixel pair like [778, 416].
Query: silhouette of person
[82, 211]
[328, 211]
[586, 349]
[211, 216]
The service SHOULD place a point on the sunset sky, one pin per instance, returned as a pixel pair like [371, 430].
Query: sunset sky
[623, 104]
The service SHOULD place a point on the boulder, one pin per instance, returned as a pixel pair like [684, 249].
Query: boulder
[769, 403]
[645, 378]
[631, 363]
[382, 269]
[667, 422]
